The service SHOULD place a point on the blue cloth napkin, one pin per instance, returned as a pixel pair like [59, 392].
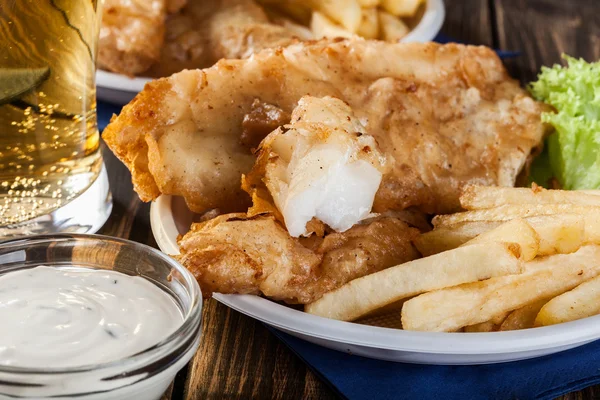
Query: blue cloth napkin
[355, 377]
[104, 112]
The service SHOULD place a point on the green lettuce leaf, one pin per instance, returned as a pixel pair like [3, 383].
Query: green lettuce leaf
[574, 149]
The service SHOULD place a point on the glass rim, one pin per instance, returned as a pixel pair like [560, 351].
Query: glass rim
[170, 345]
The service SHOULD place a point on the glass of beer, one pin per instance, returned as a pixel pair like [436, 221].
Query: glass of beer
[52, 178]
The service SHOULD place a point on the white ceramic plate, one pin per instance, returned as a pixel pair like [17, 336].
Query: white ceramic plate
[117, 88]
[121, 89]
[170, 217]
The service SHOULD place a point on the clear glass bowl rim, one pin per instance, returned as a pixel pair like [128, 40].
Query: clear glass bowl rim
[170, 345]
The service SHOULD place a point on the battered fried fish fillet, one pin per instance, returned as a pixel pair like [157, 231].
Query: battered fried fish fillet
[132, 33]
[321, 165]
[236, 254]
[175, 5]
[447, 114]
[315, 177]
[205, 31]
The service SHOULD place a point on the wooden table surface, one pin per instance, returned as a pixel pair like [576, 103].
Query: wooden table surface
[239, 357]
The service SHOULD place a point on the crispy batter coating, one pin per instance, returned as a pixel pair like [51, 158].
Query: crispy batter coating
[236, 254]
[131, 35]
[447, 114]
[161, 37]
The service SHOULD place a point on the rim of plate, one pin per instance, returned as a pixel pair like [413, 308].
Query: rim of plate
[430, 23]
[427, 28]
[111, 80]
[164, 228]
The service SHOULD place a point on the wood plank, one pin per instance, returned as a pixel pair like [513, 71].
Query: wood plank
[468, 21]
[239, 358]
[167, 395]
[125, 201]
[543, 29]
[590, 393]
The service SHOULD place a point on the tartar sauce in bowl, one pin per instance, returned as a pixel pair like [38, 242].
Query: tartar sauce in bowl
[70, 317]
[90, 317]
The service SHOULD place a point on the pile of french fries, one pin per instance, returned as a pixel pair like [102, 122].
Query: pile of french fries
[518, 258]
[370, 19]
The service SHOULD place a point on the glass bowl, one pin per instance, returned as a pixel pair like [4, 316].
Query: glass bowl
[145, 375]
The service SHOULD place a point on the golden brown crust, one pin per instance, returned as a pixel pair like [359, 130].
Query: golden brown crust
[205, 31]
[131, 35]
[126, 137]
[236, 254]
[371, 246]
[447, 114]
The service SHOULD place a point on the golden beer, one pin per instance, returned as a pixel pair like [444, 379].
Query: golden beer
[49, 140]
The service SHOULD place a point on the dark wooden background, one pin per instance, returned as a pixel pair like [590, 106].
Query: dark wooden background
[239, 357]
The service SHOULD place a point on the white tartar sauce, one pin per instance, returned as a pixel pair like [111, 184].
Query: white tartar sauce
[67, 317]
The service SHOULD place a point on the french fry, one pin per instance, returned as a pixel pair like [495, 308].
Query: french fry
[515, 231]
[499, 319]
[401, 8]
[347, 13]
[559, 234]
[581, 302]
[487, 326]
[594, 192]
[466, 264]
[476, 197]
[524, 317]
[301, 31]
[369, 24]
[392, 28]
[322, 26]
[450, 309]
[590, 214]
[592, 227]
[452, 236]
[492, 325]
[368, 3]
[508, 212]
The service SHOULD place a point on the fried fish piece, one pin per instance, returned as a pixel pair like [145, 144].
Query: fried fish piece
[205, 31]
[315, 177]
[321, 165]
[240, 28]
[236, 254]
[448, 115]
[132, 34]
[161, 37]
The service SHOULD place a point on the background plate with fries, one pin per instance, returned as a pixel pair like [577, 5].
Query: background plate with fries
[170, 217]
[121, 89]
